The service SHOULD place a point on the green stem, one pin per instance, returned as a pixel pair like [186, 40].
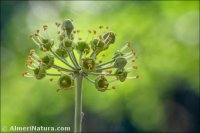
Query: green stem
[61, 59]
[78, 104]
[104, 68]
[103, 64]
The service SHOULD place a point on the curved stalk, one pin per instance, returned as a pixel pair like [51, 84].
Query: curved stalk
[78, 104]
[104, 68]
[103, 64]
[72, 59]
[61, 68]
[61, 59]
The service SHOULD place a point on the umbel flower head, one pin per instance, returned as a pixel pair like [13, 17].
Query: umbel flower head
[81, 56]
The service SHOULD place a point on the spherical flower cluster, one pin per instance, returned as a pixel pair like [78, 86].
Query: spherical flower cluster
[87, 63]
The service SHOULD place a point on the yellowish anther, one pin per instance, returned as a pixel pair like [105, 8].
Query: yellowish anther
[79, 38]
[31, 36]
[103, 55]
[109, 71]
[133, 60]
[32, 51]
[37, 31]
[45, 27]
[74, 31]
[58, 32]
[57, 24]
[24, 73]
[36, 34]
[30, 61]
[77, 31]
[51, 80]
[137, 76]
[90, 66]
[135, 67]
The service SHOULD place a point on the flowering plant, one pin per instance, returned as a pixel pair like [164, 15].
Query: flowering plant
[89, 61]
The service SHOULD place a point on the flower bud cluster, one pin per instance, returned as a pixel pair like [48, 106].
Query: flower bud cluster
[82, 57]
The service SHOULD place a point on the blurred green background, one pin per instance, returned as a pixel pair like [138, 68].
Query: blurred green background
[165, 35]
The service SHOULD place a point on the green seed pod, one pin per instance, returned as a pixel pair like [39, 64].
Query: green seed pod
[39, 72]
[83, 46]
[109, 37]
[66, 44]
[101, 83]
[120, 62]
[61, 52]
[88, 64]
[67, 26]
[121, 74]
[47, 44]
[47, 61]
[44, 40]
[97, 44]
[65, 82]
[117, 54]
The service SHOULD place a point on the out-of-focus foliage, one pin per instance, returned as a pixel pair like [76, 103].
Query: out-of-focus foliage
[165, 35]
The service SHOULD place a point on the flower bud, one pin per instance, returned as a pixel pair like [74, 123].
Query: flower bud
[120, 62]
[109, 37]
[101, 83]
[117, 54]
[61, 52]
[67, 44]
[39, 72]
[121, 74]
[88, 64]
[82, 46]
[67, 26]
[97, 44]
[47, 61]
[65, 82]
[46, 44]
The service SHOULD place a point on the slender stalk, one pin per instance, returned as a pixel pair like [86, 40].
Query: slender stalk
[104, 68]
[53, 74]
[72, 60]
[92, 81]
[105, 74]
[61, 68]
[106, 63]
[61, 59]
[78, 104]
[75, 60]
